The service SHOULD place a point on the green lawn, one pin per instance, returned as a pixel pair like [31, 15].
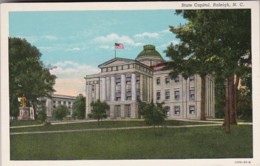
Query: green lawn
[24, 122]
[163, 143]
[104, 124]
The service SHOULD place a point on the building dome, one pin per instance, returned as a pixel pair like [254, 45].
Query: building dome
[149, 51]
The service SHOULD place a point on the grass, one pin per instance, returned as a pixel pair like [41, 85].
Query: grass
[104, 124]
[163, 143]
[24, 122]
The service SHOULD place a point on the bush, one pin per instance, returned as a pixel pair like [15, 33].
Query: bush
[42, 116]
[79, 108]
[154, 114]
[60, 112]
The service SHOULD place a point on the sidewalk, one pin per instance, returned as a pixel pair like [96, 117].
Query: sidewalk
[109, 129]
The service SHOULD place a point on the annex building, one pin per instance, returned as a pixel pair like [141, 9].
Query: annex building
[122, 81]
[56, 100]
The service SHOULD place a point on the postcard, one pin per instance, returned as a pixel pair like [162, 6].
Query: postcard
[123, 83]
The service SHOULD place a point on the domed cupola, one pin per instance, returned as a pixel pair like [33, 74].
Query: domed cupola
[149, 56]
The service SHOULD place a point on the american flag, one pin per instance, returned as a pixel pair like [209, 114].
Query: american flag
[119, 46]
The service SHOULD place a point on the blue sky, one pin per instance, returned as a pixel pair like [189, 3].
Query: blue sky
[76, 42]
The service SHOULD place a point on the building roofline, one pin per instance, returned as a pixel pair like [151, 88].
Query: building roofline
[92, 76]
[62, 96]
[114, 59]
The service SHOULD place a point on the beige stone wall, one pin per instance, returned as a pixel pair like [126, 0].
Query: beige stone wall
[145, 79]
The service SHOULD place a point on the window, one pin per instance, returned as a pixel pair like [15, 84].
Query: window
[177, 110]
[167, 80]
[192, 78]
[128, 95]
[158, 81]
[118, 98]
[158, 95]
[192, 109]
[127, 111]
[177, 79]
[93, 88]
[177, 95]
[128, 79]
[117, 111]
[138, 79]
[118, 81]
[167, 94]
[167, 108]
[192, 94]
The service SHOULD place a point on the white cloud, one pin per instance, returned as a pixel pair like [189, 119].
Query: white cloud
[165, 45]
[49, 37]
[70, 69]
[106, 47]
[147, 34]
[115, 38]
[33, 39]
[166, 31]
[74, 49]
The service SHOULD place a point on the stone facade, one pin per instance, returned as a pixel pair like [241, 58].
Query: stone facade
[122, 81]
[55, 101]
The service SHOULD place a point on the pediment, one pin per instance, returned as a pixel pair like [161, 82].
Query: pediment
[116, 62]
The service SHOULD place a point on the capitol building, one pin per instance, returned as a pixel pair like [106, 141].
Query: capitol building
[121, 82]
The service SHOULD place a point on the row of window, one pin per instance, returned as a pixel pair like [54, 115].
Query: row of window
[177, 110]
[69, 107]
[124, 67]
[62, 102]
[176, 80]
[176, 95]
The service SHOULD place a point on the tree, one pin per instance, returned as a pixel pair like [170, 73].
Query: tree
[214, 47]
[27, 74]
[98, 110]
[79, 107]
[154, 114]
[60, 112]
[41, 111]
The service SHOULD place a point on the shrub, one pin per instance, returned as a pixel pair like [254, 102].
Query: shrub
[60, 112]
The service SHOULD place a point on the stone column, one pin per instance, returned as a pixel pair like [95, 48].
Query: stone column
[113, 86]
[122, 87]
[88, 99]
[103, 89]
[141, 87]
[133, 84]
[108, 89]
[112, 109]
[213, 99]
[133, 110]
[97, 91]
[122, 107]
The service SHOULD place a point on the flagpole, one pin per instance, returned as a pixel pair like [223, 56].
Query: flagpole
[115, 51]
